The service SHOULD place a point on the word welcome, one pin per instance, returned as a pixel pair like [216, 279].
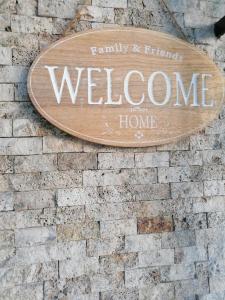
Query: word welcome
[184, 96]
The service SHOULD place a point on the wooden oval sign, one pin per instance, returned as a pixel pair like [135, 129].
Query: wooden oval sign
[126, 87]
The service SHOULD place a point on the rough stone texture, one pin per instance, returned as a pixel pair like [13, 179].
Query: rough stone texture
[60, 8]
[157, 224]
[89, 222]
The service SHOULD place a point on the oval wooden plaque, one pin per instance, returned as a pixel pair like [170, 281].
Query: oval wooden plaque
[126, 87]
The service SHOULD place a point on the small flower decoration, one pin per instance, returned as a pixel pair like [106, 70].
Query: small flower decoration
[139, 135]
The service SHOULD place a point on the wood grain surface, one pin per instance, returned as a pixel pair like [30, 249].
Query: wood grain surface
[126, 87]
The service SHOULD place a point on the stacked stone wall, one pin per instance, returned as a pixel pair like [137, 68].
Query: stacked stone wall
[88, 222]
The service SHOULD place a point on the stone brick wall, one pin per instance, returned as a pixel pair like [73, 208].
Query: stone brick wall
[87, 222]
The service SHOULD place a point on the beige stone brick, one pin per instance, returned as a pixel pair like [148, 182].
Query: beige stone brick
[34, 199]
[6, 201]
[142, 277]
[100, 247]
[75, 267]
[7, 255]
[27, 24]
[177, 272]
[174, 174]
[23, 146]
[195, 19]
[187, 255]
[20, 40]
[26, 7]
[35, 163]
[212, 296]
[8, 6]
[62, 215]
[118, 228]
[187, 189]
[178, 239]
[24, 56]
[31, 127]
[115, 160]
[126, 294]
[213, 270]
[182, 5]
[25, 182]
[142, 242]
[28, 292]
[205, 142]
[54, 144]
[99, 14]
[183, 144]
[118, 262]
[34, 236]
[7, 220]
[212, 172]
[28, 274]
[160, 257]
[4, 20]
[110, 3]
[78, 196]
[202, 270]
[6, 164]
[14, 110]
[57, 8]
[216, 253]
[192, 221]
[165, 291]
[6, 92]
[155, 224]
[186, 158]
[209, 204]
[107, 282]
[151, 191]
[46, 253]
[45, 180]
[191, 287]
[5, 56]
[153, 5]
[217, 127]
[214, 188]
[4, 183]
[149, 209]
[122, 177]
[141, 192]
[151, 160]
[139, 4]
[21, 93]
[7, 238]
[13, 74]
[212, 9]
[111, 211]
[211, 157]
[28, 218]
[75, 287]
[211, 236]
[5, 128]
[59, 26]
[77, 161]
[78, 231]
[177, 206]
[116, 194]
[216, 219]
